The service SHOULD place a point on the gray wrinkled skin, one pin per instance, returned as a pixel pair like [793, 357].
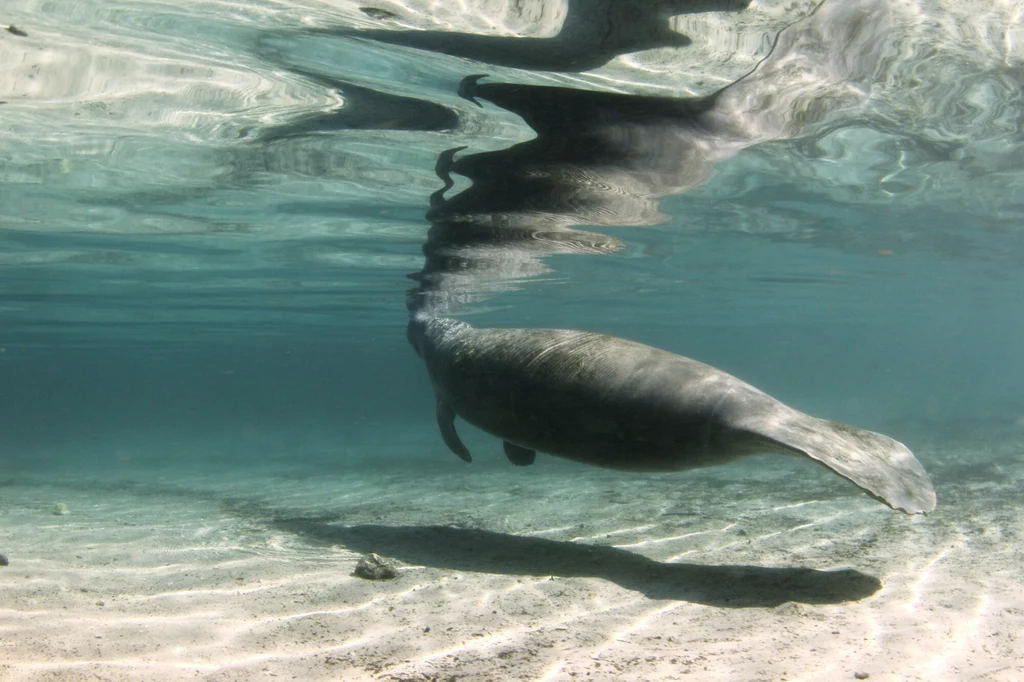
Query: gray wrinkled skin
[619, 404]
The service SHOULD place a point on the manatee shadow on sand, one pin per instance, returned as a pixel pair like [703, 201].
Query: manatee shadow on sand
[474, 550]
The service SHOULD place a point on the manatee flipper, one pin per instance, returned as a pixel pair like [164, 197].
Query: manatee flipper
[446, 422]
[519, 455]
[880, 466]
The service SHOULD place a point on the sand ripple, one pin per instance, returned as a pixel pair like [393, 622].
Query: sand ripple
[506, 574]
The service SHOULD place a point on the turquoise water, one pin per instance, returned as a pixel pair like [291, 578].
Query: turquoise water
[201, 233]
[211, 215]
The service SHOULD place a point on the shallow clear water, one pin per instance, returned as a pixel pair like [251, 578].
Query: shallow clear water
[211, 215]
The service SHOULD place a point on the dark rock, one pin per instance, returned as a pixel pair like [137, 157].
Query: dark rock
[375, 567]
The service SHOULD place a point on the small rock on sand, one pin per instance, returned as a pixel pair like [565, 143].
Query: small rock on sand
[375, 567]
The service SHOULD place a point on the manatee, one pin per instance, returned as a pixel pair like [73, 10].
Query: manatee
[619, 404]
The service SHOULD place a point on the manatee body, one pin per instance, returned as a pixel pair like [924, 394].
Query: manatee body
[619, 404]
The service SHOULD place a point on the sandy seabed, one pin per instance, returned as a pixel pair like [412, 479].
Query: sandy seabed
[767, 569]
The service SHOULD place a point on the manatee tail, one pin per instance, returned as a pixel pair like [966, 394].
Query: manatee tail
[878, 465]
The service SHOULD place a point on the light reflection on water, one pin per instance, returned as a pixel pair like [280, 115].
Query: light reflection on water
[233, 172]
